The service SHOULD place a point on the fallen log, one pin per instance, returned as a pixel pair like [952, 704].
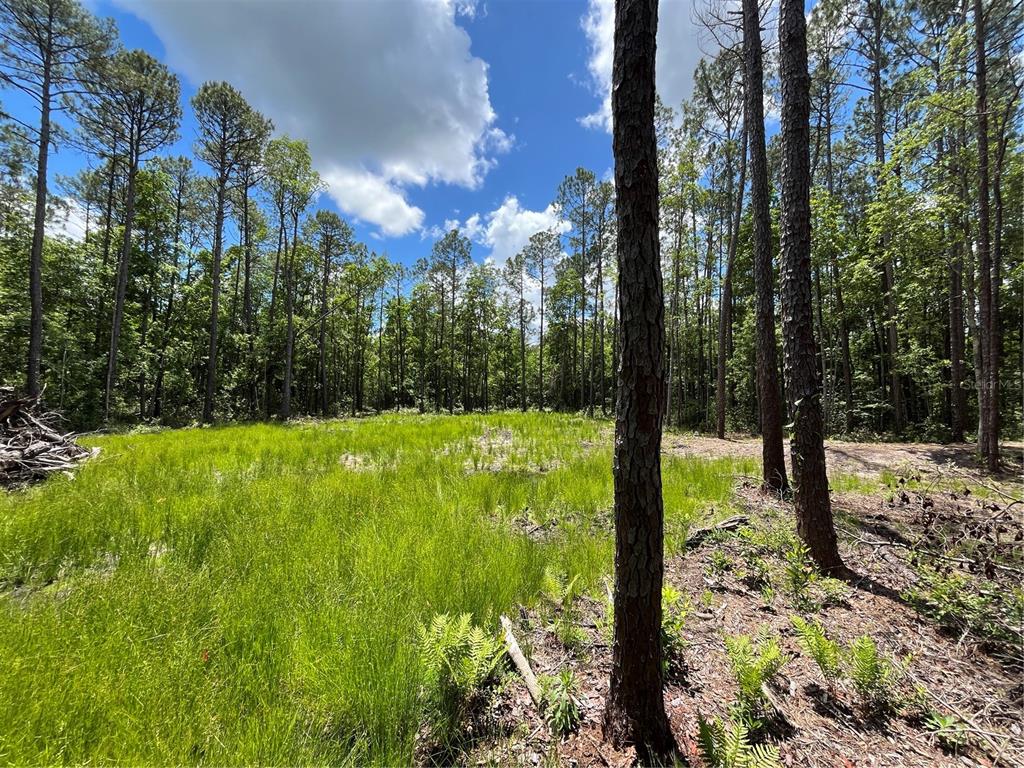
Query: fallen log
[698, 535]
[521, 663]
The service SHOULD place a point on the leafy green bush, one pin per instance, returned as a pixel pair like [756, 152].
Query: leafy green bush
[728, 746]
[799, 574]
[720, 563]
[459, 659]
[816, 644]
[987, 610]
[753, 667]
[561, 708]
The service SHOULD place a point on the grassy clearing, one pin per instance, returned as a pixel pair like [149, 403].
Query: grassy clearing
[251, 594]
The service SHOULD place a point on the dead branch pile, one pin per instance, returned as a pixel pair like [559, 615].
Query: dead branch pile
[30, 448]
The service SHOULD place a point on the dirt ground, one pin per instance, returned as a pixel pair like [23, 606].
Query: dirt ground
[860, 458]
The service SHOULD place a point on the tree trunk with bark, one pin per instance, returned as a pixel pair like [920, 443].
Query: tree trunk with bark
[773, 455]
[807, 449]
[725, 312]
[635, 709]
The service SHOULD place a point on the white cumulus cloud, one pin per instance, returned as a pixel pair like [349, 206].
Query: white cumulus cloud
[679, 50]
[504, 231]
[388, 95]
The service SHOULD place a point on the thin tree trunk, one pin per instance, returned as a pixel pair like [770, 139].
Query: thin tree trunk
[121, 286]
[35, 264]
[725, 316]
[811, 496]
[773, 456]
[211, 361]
[988, 443]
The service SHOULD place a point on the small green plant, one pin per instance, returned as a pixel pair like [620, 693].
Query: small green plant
[728, 745]
[720, 563]
[753, 667]
[874, 676]
[957, 601]
[675, 607]
[816, 644]
[756, 572]
[949, 730]
[832, 591]
[459, 660]
[775, 539]
[561, 708]
[799, 574]
[561, 594]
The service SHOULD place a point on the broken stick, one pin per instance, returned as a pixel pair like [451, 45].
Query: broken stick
[729, 524]
[521, 663]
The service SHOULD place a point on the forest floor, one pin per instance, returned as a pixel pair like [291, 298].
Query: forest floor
[934, 546]
[254, 594]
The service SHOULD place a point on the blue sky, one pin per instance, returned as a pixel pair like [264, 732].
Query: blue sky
[419, 113]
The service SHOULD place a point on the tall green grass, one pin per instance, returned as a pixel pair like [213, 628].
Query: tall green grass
[250, 594]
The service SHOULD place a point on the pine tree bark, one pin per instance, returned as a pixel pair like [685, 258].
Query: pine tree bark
[121, 287]
[218, 246]
[725, 312]
[988, 441]
[773, 455]
[635, 708]
[803, 387]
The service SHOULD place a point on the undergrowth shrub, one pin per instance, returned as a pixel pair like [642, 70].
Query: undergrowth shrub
[989, 611]
[799, 574]
[459, 660]
[728, 745]
[561, 708]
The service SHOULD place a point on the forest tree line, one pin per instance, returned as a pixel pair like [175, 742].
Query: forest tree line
[212, 287]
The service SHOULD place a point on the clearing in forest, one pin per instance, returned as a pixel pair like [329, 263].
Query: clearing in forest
[257, 594]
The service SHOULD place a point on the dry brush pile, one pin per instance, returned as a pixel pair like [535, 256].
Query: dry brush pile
[31, 448]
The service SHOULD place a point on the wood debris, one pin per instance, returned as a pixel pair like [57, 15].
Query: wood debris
[30, 448]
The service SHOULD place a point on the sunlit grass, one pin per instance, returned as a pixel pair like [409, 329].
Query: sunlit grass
[250, 594]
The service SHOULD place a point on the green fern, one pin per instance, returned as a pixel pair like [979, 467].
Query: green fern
[728, 746]
[816, 644]
[874, 676]
[753, 667]
[675, 607]
[561, 593]
[459, 659]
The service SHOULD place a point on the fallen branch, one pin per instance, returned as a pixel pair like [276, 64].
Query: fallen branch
[521, 663]
[697, 536]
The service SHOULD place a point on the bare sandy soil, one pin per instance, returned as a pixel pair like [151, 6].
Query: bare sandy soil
[859, 458]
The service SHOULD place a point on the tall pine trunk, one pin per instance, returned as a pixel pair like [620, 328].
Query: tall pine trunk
[635, 709]
[803, 387]
[772, 453]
